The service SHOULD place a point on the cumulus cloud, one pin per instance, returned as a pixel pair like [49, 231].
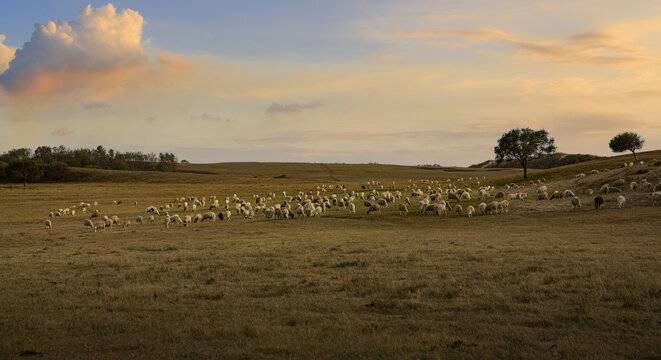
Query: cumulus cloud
[100, 47]
[276, 108]
[6, 54]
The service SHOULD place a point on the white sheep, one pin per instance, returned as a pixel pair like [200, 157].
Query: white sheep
[403, 210]
[352, 208]
[604, 189]
[101, 225]
[465, 195]
[492, 207]
[127, 224]
[187, 220]
[576, 202]
[458, 209]
[470, 210]
[151, 219]
[373, 208]
[620, 201]
[166, 221]
[483, 208]
[89, 223]
[589, 192]
[504, 206]
[208, 216]
[138, 220]
[633, 186]
[618, 182]
[48, 224]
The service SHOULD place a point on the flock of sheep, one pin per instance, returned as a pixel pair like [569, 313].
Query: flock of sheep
[433, 197]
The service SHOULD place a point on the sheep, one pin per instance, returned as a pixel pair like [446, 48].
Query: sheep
[511, 196]
[604, 189]
[458, 209]
[576, 202]
[598, 202]
[115, 220]
[521, 196]
[109, 223]
[492, 207]
[618, 182]
[470, 210]
[407, 201]
[48, 224]
[483, 208]
[101, 225]
[500, 195]
[465, 195]
[166, 221]
[504, 206]
[620, 201]
[589, 192]
[373, 208]
[657, 187]
[569, 194]
[138, 220]
[187, 220]
[208, 216]
[656, 198]
[352, 208]
[127, 224]
[556, 195]
[403, 210]
[633, 186]
[452, 196]
[151, 219]
[542, 195]
[89, 223]
[542, 189]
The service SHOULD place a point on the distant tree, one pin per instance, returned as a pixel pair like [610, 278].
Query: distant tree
[23, 170]
[43, 154]
[167, 162]
[523, 145]
[627, 141]
[184, 161]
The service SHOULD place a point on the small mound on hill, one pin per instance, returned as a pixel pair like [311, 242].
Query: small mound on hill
[543, 162]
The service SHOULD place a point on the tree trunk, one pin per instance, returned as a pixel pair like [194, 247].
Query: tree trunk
[25, 180]
[634, 156]
[525, 172]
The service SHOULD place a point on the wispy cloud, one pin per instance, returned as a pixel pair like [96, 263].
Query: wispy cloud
[276, 108]
[96, 105]
[207, 117]
[62, 132]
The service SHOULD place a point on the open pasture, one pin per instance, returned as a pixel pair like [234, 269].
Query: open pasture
[541, 282]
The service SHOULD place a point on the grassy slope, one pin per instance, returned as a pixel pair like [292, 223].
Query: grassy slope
[543, 282]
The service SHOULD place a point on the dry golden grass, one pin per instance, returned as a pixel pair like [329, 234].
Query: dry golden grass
[543, 282]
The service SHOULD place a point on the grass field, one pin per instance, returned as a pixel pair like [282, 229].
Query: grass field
[542, 282]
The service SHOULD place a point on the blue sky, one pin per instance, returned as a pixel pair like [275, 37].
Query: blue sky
[351, 81]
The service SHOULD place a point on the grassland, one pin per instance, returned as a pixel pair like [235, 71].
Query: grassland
[542, 282]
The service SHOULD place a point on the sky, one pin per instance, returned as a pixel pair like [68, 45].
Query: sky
[398, 82]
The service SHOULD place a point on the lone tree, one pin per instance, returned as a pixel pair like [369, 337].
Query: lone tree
[523, 145]
[627, 141]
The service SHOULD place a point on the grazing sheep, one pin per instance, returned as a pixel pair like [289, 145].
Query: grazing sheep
[373, 208]
[197, 218]
[187, 220]
[403, 210]
[633, 186]
[407, 201]
[48, 223]
[542, 189]
[620, 201]
[166, 221]
[492, 207]
[576, 202]
[656, 198]
[483, 208]
[589, 192]
[556, 195]
[569, 194]
[465, 195]
[452, 196]
[127, 224]
[352, 208]
[521, 196]
[89, 223]
[598, 202]
[101, 225]
[209, 216]
[470, 210]
[504, 206]
[511, 196]
[151, 219]
[500, 195]
[115, 220]
[458, 209]
[138, 220]
[542, 195]
[604, 189]
[657, 187]
[618, 182]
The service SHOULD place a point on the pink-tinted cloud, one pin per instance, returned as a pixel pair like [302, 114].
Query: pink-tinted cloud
[6, 54]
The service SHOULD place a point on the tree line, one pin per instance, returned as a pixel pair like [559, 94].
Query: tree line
[47, 163]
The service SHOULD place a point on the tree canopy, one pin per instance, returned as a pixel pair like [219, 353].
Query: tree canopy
[627, 141]
[523, 145]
